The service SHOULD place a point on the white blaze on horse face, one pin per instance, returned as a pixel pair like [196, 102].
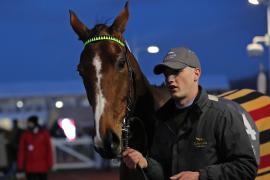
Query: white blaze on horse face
[100, 100]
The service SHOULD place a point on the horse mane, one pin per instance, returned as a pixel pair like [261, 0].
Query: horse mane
[161, 93]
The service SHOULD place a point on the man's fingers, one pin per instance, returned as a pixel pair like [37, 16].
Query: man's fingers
[134, 155]
[186, 175]
[131, 158]
[127, 151]
[177, 176]
[130, 163]
[135, 158]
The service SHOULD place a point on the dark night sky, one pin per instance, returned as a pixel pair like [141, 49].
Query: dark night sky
[38, 44]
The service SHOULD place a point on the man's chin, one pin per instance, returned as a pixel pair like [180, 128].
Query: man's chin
[177, 97]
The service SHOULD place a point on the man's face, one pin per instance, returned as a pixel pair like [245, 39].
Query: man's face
[30, 125]
[181, 83]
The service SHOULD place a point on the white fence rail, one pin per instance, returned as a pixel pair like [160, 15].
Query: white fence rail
[78, 154]
[75, 154]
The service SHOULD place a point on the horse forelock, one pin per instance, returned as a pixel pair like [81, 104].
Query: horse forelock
[100, 29]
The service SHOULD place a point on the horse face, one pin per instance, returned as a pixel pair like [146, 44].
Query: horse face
[105, 76]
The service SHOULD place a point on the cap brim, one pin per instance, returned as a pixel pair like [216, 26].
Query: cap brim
[158, 69]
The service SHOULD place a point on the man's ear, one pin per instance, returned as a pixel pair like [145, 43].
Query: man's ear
[197, 72]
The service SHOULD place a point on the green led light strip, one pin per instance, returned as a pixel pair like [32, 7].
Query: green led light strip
[102, 38]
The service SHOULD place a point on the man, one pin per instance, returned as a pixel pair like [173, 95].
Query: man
[196, 135]
[35, 151]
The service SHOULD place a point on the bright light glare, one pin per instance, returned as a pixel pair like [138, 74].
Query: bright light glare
[153, 49]
[69, 128]
[255, 2]
[59, 104]
[5, 123]
[19, 104]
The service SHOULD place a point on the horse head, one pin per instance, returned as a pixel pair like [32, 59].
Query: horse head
[106, 71]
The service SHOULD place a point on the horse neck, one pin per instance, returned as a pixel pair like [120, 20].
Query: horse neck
[148, 96]
[161, 95]
[148, 99]
[157, 95]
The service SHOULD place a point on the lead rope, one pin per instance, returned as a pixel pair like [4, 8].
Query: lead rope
[130, 109]
[130, 103]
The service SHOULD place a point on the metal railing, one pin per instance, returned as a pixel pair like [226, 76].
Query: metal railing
[78, 154]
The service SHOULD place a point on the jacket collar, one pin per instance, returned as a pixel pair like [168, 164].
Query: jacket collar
[200, 100]
[197, 106]
[195, 112]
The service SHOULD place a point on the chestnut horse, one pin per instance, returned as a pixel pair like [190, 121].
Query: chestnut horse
[117, 90]
[121, 96]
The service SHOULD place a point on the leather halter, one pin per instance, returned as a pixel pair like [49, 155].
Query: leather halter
[132, 86]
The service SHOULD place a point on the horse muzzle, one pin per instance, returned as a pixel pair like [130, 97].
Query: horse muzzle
[111, 146]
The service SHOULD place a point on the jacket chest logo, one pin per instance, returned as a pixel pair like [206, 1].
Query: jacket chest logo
[200, 142]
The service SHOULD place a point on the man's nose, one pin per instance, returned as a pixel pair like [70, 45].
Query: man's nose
[170, 78]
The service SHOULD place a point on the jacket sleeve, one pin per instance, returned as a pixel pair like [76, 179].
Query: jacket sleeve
[154, 170]
[49, 150]
[234, 148]
[21, 152]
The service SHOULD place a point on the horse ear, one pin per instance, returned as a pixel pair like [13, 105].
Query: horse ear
[81, 30]
[120, 21]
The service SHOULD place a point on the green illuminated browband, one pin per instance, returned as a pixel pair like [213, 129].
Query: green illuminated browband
[101, 38]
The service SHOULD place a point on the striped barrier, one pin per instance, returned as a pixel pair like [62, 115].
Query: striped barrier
[258, 106]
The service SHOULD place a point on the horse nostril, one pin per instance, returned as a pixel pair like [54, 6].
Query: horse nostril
[112, 141]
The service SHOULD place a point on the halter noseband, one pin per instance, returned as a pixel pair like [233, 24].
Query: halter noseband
[132, 86]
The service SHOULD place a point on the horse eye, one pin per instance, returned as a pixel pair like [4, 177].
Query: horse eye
[120, 64]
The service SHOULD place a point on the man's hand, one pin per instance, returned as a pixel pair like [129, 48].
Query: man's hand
[186, 175]
[132, 158]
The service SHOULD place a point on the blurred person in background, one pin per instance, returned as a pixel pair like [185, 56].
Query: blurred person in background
[13, 146]
[35, 151]
[3, 152]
